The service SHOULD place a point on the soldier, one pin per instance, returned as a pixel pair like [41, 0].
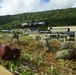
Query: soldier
[37, 37]
[15, 35]
[46, 45]
[32, 23]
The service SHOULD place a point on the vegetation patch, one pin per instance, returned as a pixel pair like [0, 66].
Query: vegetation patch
[35, 61]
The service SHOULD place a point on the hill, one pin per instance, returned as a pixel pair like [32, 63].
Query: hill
[59, 17]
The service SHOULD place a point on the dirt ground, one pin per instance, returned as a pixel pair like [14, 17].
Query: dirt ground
[50, 65]
[65, 67]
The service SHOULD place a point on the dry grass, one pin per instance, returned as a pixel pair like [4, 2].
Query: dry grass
[39, 61]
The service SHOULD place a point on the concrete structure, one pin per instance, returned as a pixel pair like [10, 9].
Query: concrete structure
[3, 71]
[72, 28]
[6, 31]
[60, 30]
[67, 33]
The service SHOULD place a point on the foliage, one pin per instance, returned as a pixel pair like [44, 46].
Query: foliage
[59, 17]
[16, 67]
[37, 60]
[34, 60]
[52, 71]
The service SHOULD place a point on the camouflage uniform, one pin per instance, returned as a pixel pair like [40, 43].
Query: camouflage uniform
[46, 45]
[15, 34]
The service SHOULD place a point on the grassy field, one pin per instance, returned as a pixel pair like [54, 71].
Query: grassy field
[34, 60]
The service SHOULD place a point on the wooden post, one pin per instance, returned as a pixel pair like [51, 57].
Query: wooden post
[75, 40]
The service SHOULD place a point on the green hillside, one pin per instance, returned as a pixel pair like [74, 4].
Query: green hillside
[59, 17]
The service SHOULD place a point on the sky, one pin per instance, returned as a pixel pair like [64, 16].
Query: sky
[11, 7]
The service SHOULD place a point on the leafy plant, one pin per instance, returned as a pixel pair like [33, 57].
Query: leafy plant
[52, 71]
[9, 65]
[26, 56]
[37, 60]
[27, 72]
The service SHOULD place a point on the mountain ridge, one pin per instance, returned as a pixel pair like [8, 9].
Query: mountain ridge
[59, 17]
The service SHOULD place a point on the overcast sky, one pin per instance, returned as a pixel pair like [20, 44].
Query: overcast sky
[10, 7]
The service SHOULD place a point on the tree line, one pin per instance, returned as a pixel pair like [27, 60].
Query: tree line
[59, 17]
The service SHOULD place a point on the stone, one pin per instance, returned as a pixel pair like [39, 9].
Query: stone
[8, 53]
[66, 46]
[65, 54]
[4, 51]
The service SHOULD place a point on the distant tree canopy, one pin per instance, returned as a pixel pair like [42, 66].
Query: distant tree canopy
[59, 17]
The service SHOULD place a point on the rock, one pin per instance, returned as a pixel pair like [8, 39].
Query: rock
[66, 46]
[65, 54]
[15, 54]
[7, 53]
[4, 51]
